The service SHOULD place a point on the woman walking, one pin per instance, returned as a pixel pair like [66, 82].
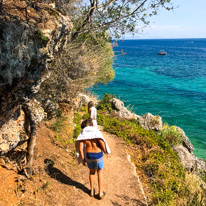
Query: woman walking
[92, 113]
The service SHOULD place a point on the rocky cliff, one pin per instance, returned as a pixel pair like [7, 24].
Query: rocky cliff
[29, 41]
[150, 122]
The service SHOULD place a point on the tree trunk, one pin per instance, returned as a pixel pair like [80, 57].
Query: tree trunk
[32, 134]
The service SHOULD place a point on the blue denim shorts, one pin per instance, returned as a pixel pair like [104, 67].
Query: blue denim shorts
[96, 165]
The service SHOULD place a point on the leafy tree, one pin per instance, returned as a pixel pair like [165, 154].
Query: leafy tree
[118, 17]
[115, 16]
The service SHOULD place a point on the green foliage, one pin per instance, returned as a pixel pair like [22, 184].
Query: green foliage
[105, 103]
[40, 36]
[171, 135]
[59, 124]
[77, 118]
[77, 129]
[106, 73]
[101, 47]
[118, 17]
[87, 60]
[203, 176]
[83, 109]
[60, 140]
[158, 162]
[85, 116]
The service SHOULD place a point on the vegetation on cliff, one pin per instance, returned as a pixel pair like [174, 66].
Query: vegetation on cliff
[86, 61]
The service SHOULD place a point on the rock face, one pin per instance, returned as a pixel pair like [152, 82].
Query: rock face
[149, 121]
[187, 158]
[186, 142]
[83, 100]
[123, 112]
[189, 161]
[29, 41]
[10, 133]
[27, 46]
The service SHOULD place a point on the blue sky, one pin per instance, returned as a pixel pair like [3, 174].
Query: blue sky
[186, 21]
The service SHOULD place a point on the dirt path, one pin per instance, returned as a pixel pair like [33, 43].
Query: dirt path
[120, 180]
[60, 181]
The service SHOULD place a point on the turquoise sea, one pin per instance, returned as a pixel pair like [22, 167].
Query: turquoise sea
[172, 86]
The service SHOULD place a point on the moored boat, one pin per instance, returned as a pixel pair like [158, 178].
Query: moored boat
[162, 52]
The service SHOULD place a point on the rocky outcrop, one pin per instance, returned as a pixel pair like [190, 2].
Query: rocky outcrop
[186, 142]
[149, 121]
[187, 158]
[38, 113]
[189, 161]
[122, 112]
[29, 42]
[12, 132]
[83, 100]
[30, 39]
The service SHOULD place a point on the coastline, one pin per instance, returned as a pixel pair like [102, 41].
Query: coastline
[172, 86]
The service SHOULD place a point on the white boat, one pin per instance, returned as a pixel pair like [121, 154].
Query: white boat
[162, 52]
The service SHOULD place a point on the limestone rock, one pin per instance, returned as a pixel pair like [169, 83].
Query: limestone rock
[117, 104]
[189, 161]
[84, 100]
[26, 50]
[28, 46]
[122, 112]
[10, 133]
[149, 121]
[50, 108]
[38, 111]
[186, 142]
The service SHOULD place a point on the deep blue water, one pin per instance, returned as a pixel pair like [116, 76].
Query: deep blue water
[172, 86]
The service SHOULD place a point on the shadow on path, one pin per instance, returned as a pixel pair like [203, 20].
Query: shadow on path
[61, 177]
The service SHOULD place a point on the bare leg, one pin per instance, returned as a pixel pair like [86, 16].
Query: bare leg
[100, 181]
[91, 180]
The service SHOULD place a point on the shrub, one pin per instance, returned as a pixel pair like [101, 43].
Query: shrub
[77, 131]
[58, 124]
[105, 104]
[171, 135]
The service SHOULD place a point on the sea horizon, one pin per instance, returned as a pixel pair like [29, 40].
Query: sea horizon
[161, 38]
